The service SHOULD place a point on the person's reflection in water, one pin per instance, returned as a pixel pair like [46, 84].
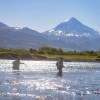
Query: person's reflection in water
[59, 74]
[15, 86]
[59, 65]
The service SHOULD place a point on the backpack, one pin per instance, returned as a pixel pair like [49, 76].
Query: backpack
[57, 63]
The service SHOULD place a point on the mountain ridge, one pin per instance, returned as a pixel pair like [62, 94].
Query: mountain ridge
[69, 35]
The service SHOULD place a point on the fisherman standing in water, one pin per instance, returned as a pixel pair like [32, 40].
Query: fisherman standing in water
[16, 64]
[59, 65]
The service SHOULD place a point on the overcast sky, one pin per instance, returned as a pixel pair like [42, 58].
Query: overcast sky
[42, 15]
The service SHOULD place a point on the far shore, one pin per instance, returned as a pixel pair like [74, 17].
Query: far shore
[40, 58]
[48, 53]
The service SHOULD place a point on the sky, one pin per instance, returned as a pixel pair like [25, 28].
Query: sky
[42, 15]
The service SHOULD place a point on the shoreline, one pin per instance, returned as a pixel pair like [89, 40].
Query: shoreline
[41, 57]
[56, 59]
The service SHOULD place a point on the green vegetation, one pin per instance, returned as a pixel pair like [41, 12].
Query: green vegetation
[47, 52]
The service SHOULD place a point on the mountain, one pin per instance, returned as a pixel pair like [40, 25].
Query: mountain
[25, 38]
[76, 35]
[73, 28]
[69, 35]
[3, 26]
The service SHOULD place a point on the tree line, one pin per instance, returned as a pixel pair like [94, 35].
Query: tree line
[48, 50]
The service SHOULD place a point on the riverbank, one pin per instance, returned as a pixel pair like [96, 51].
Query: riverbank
[68, 58]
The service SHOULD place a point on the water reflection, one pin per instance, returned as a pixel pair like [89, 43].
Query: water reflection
[59, 74]
[15, 86]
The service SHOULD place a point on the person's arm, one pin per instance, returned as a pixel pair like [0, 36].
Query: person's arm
[21, 63]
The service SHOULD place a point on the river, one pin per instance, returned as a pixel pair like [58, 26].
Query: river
[38, 80]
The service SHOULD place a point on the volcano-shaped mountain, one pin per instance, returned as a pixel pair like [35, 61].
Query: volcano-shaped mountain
[73, 28]
[74, 32]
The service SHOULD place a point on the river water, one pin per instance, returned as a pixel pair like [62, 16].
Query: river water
[38, 80]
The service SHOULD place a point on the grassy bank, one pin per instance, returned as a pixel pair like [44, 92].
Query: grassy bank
[75, 57]
[30, 56]
[49, 53]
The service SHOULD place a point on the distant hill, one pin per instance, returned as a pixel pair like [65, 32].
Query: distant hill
[11, 37]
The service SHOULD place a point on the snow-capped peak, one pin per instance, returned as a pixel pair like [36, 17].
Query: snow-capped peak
[18, 28]
[72, 28]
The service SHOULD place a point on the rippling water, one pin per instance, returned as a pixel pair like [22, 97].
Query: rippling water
[38, 80]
